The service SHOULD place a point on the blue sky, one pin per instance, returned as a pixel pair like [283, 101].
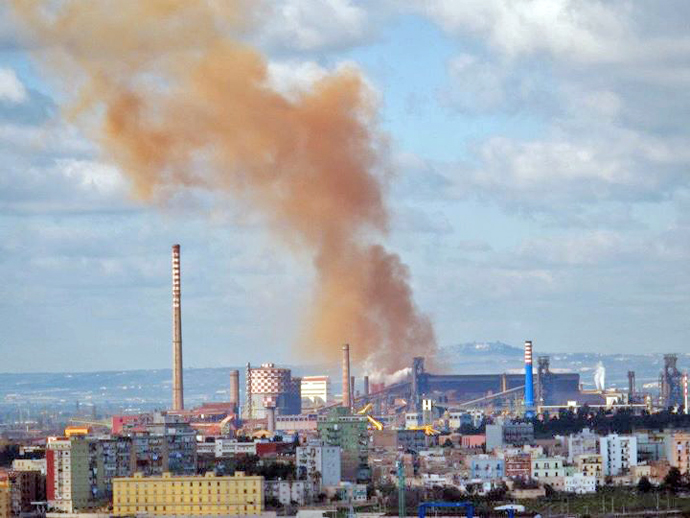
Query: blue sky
[541, 158]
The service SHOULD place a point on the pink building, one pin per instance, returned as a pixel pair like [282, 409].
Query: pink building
[473, 441]
[678, 451]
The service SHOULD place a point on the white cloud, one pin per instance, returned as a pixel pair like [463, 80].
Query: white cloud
[92, 175]
[305, 25]
[587, 31]
[11, 88]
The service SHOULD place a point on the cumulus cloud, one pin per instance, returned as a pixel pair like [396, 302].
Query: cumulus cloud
[11, 88]
[607, 82]
[307, 26]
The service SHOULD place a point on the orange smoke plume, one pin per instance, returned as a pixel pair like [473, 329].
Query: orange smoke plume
[175, 99]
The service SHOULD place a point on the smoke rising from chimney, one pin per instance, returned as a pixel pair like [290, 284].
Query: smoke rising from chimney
[177, 100]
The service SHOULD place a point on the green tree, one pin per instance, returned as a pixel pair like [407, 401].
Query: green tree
[673, 480]
[644, 485]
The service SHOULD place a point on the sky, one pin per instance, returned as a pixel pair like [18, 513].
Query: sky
[539, 152]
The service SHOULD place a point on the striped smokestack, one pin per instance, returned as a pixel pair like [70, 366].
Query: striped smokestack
[178, 392]
[346, 376]
[529, 381]
[685, 393]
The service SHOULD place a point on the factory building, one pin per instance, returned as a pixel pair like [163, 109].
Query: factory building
[271, 386]
[671, 383]
[239, 495]
[316, 389]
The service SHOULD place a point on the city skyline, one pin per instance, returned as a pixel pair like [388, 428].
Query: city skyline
[540, 191]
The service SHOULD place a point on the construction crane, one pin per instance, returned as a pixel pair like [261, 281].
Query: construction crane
[428, 429]
[366, 411]
[375, 423]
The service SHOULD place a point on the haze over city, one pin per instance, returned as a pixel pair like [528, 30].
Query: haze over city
[527, 162]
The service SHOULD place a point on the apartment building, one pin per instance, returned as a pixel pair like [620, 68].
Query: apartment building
[349, 432]
[485, 467]
[580, 484]
[68, 481]
[237, 495]
[319, 463]
[584, 443]
[678, 450]
[618, 453]
[591, 465]
[518, 465]
[547, 467]
[5, 496]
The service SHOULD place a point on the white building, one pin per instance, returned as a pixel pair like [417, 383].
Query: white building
[316, 389]
[288, 491]
[226, 448]
[413, 420]
[29, 465]
[319, 463]
[618, 453]
[580, 484]
[583, 443]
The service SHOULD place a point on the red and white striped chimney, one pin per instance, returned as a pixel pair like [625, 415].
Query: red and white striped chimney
[178, 392]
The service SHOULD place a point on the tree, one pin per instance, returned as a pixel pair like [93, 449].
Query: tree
[644, 485]
[673, 480]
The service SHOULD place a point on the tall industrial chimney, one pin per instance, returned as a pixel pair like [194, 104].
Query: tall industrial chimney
[178, 391]
[631, 386]
[346, 376]
[365, 380]
[234, 393]
[685, 392]
[529, 381]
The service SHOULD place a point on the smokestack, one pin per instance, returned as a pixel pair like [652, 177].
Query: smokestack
[178, 391]
[270, 410]
[529, 381]
[234, 393]
[685, 393]
[366, 386]
[248, 381]
[352, 391]
[346, 376]
[631, 386]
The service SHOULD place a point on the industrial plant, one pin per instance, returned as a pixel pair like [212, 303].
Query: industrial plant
[280, 442]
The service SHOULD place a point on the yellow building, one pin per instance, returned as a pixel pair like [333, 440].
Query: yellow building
[188, 495]
[5, 496]
[591, 465]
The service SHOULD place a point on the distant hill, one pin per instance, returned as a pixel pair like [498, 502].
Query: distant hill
[147, 389]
